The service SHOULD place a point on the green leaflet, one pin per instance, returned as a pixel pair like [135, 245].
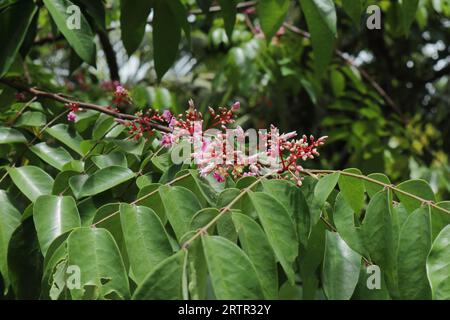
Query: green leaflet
[80, 37]
[32, 181]
[180, 206]
[146, 240]
[272, 14]
[344, 220]
[229, 12]
[102, 180]
[166, 37]
[418, 188]
[9, 135]
[413, 249]
[255, 244]
[352, 189]
[340, 260]
[321, 19]
[25, 261]
[9, 221]
[378, 237]
[438, 266]
[279, 228]
[53, 216]
[103, 273]
[14, 23]
[164, 282]
[55, 156]
[236, 280]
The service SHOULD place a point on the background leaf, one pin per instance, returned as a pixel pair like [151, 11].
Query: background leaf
[81, 40]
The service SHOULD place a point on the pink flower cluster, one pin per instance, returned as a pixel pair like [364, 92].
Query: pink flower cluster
[282, 153]
[74, 108]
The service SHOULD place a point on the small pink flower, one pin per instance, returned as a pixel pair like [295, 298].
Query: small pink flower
[167, 140]
[205, 145]
[249, 174]
[121, 91]
[173, 123]
[167, 115]
[72, 117]
[218, 177]
[236, 106]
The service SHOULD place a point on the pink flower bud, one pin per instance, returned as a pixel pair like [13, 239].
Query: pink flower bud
[236, 106]
[72, 117]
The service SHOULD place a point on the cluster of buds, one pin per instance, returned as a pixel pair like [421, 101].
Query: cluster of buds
[221, 157]
[74, 108]
[121, 97]
[143, 123]
[21, 96]
[110, 85]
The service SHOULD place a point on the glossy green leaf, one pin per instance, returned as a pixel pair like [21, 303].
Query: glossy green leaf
[271, 15]
[255, 244]
[354, 9]
[9, 135]
[371, 187]
[419, 188]
[414, 246]
[344, 220]
[438, 265]
[14, 23]
[180, 205]
[321, 19]
[166, 37]
[229, 11]
[80, 39]
[111, 159]
[340, 270]
[279, 228]
[102, 180]
[103, 273]
[133, 19]
[325, 186]
[31, 119]
[409, 9]
[164, 282]
[55, 156]
[378, 236]
[439, 218]
[233, 276]
[32, 181]
[145, 238]
[9, 221]
[53, 216]
[102, 126]
[295, 203]
[62, 133]
[25, 261]
[352, 189]
[150, 198]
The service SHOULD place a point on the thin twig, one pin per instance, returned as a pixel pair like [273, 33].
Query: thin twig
[60, 98]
